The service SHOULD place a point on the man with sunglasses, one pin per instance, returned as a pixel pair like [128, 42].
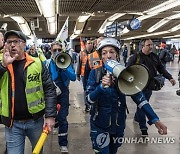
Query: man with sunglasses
[61, 78]
[27, 94]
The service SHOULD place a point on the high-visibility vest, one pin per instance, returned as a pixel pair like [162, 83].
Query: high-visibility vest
[34, 88]
[83, 58]
[94, 60]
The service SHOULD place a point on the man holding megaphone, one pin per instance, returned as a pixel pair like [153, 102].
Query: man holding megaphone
[108, 114]
[61, 71]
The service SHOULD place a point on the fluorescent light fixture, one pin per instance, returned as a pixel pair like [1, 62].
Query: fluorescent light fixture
[175, 16]
[147, 35]
[25, 28]
[124, 31]
[83, 18]
[73, 36]
[18, 19]
[115, 16]
[157, 25]
[109, 21]
[162, 22]
[163, 7]
[51, 19]
[175, 28]
[77, 32]
[52, 28]
[47, 7]
[172, 36]
[22, 24]
[104, 25]
[143, 17]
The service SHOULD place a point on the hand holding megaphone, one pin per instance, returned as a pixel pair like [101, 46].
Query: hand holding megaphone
[131, 80]
[106, 80]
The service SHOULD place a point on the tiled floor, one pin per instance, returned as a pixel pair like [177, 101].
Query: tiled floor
[165, 102]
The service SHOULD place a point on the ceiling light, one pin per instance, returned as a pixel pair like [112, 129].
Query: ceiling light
[109, 21]
[162, 22]
[143, 17]
[172, 36]
[83, 18]
[47, 7]
[157, 25]
[18, 19]
[73, 36]
[25, 28]
[115, 16]
[175, 28]
[163, 7]
[147, 35]
[52, 28]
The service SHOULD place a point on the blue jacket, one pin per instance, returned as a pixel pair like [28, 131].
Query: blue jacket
[109, 105]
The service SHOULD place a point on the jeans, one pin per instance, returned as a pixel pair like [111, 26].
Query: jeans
[61, 117]
[140, 115]
[15, 136]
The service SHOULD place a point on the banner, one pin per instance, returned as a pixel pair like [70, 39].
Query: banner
[83, 47]
[63, 34]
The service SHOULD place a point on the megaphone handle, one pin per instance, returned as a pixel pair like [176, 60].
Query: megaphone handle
[107, 73]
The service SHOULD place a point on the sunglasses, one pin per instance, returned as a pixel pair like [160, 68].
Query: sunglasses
[57, 50]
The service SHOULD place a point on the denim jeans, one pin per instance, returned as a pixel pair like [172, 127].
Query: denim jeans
[140, 115]
[15, 136]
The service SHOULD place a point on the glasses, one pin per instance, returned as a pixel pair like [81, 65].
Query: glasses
[15, 42]
[57, 50]
[149, 45]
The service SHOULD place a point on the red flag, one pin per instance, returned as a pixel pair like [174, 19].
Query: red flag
[82, 44]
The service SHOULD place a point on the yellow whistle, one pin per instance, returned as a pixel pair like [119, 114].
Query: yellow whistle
[41, 141]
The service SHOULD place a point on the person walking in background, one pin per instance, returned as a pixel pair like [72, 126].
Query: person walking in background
[179, 56]
[61, 78]
[125, 54]
[27, 93]
[154, 66]
[108, 113]
[83, 55]
[1, 45]
[32, 51]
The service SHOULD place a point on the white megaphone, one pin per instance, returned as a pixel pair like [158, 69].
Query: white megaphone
[132, 79]
[63, 60]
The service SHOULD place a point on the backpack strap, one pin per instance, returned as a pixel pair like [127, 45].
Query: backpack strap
[98, 74]
[138, 58]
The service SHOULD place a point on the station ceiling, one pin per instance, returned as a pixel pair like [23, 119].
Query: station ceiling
[100, 10]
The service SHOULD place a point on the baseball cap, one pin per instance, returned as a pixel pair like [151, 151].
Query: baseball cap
[14, 32]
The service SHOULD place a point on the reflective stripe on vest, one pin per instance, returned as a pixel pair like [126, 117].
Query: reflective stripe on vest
[94, 61]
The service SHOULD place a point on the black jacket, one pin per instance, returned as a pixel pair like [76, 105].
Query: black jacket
[152, 62]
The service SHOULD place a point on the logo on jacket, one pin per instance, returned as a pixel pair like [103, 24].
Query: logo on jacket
[34, 77]
[103, 140]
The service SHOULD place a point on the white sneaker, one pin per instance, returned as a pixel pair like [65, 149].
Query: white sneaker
[55, 131]
[64, 149]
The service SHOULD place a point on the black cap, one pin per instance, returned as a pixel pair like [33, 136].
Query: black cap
[13, 32]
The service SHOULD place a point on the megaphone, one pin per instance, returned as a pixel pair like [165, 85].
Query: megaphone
[132, 79]
[63, 60]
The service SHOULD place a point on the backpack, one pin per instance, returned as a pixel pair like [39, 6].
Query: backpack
[168, 57]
